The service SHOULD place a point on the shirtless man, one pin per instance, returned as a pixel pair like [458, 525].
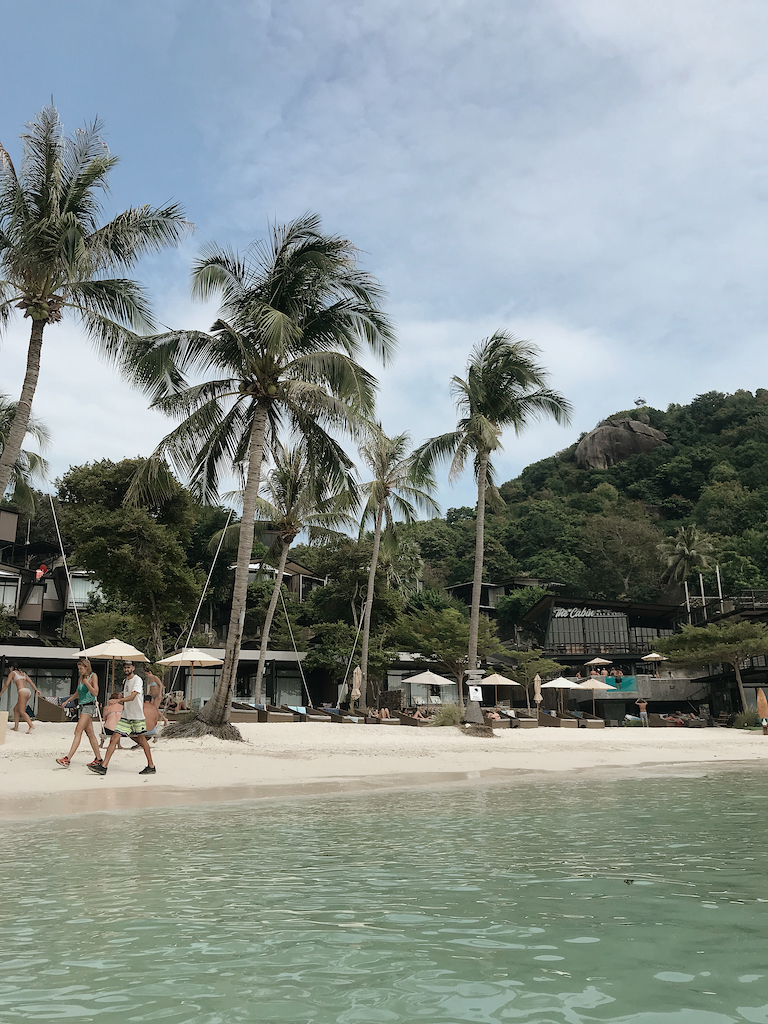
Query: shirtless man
[643, 705]
[152, 715]
[24, 687]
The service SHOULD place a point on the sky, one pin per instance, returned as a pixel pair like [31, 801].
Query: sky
[588, 175]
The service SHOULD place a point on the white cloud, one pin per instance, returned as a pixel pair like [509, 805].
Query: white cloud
[587, 174]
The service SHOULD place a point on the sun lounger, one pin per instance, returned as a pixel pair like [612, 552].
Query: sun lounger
[309, 714]
[273, 714]
[47, 711]
[525, 720]
[410, 720]
[501, 723]
[586, 721]
[550, 721]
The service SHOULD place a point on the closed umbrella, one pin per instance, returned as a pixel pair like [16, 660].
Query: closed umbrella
[536, 691]
[357, 679]
[189, 657]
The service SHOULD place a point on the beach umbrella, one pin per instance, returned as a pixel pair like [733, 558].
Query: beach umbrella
[560, 683]
[598, 661]
[595, 684]
[113, 650]
[191, 657]
[357, 679]
[496, 680]
[654, 658]
[536, 690]
[429, 679]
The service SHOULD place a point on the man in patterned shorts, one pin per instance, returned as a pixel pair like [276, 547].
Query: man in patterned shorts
[132, 722]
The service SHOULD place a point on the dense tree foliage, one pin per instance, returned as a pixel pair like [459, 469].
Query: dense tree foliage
[138, 554]
[606, 533]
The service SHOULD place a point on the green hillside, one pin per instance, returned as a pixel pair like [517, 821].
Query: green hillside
[599, 531]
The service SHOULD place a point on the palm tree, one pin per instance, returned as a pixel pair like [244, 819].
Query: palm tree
[296, 501]
[505, 387]
[54, 254]
[295, 313]
[689, 549]
[29, 465]
[399, 485]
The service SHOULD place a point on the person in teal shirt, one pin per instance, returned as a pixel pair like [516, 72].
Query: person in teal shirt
[87, 695]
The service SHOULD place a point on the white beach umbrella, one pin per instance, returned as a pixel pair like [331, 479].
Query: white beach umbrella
[113, 650]
[496, 680]
[191, 657]
[429, 679]
[654, 658]
[560, 683]
[598, 661]
[595, 684]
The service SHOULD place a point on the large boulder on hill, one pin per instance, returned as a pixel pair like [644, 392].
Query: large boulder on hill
[613, 441]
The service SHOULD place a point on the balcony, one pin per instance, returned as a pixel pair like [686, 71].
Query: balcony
[633, 647]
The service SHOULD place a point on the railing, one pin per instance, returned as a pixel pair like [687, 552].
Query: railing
[633, 647]
[713, 607]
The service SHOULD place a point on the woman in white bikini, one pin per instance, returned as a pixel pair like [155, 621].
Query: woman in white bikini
[24, 687]
[87, 695]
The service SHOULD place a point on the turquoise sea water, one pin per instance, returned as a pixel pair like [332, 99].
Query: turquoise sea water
[636, 901]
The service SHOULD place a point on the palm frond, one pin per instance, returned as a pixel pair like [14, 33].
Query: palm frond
[136, 232]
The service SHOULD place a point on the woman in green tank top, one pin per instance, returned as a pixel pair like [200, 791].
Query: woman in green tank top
[87, 694]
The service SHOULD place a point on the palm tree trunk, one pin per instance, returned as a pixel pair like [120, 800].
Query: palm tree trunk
[268, 620]
[216, 712]
[369, 600]
[156, 629]
[740, 685]
[15, 438]
[477, 579]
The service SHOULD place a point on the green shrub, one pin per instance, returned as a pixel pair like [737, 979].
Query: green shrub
[448, 714]
[746, 719]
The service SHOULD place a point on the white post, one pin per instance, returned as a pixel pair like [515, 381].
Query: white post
[703, 599]
[687, 600]
[719, 589]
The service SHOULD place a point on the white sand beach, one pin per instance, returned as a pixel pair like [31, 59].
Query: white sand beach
[280, 760]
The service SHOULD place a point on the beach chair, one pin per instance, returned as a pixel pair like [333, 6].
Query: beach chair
[309, 714]
[525, 720]
[555, 721]
[585, 720]
[270, 713]
[502, 723]
[410, 720]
